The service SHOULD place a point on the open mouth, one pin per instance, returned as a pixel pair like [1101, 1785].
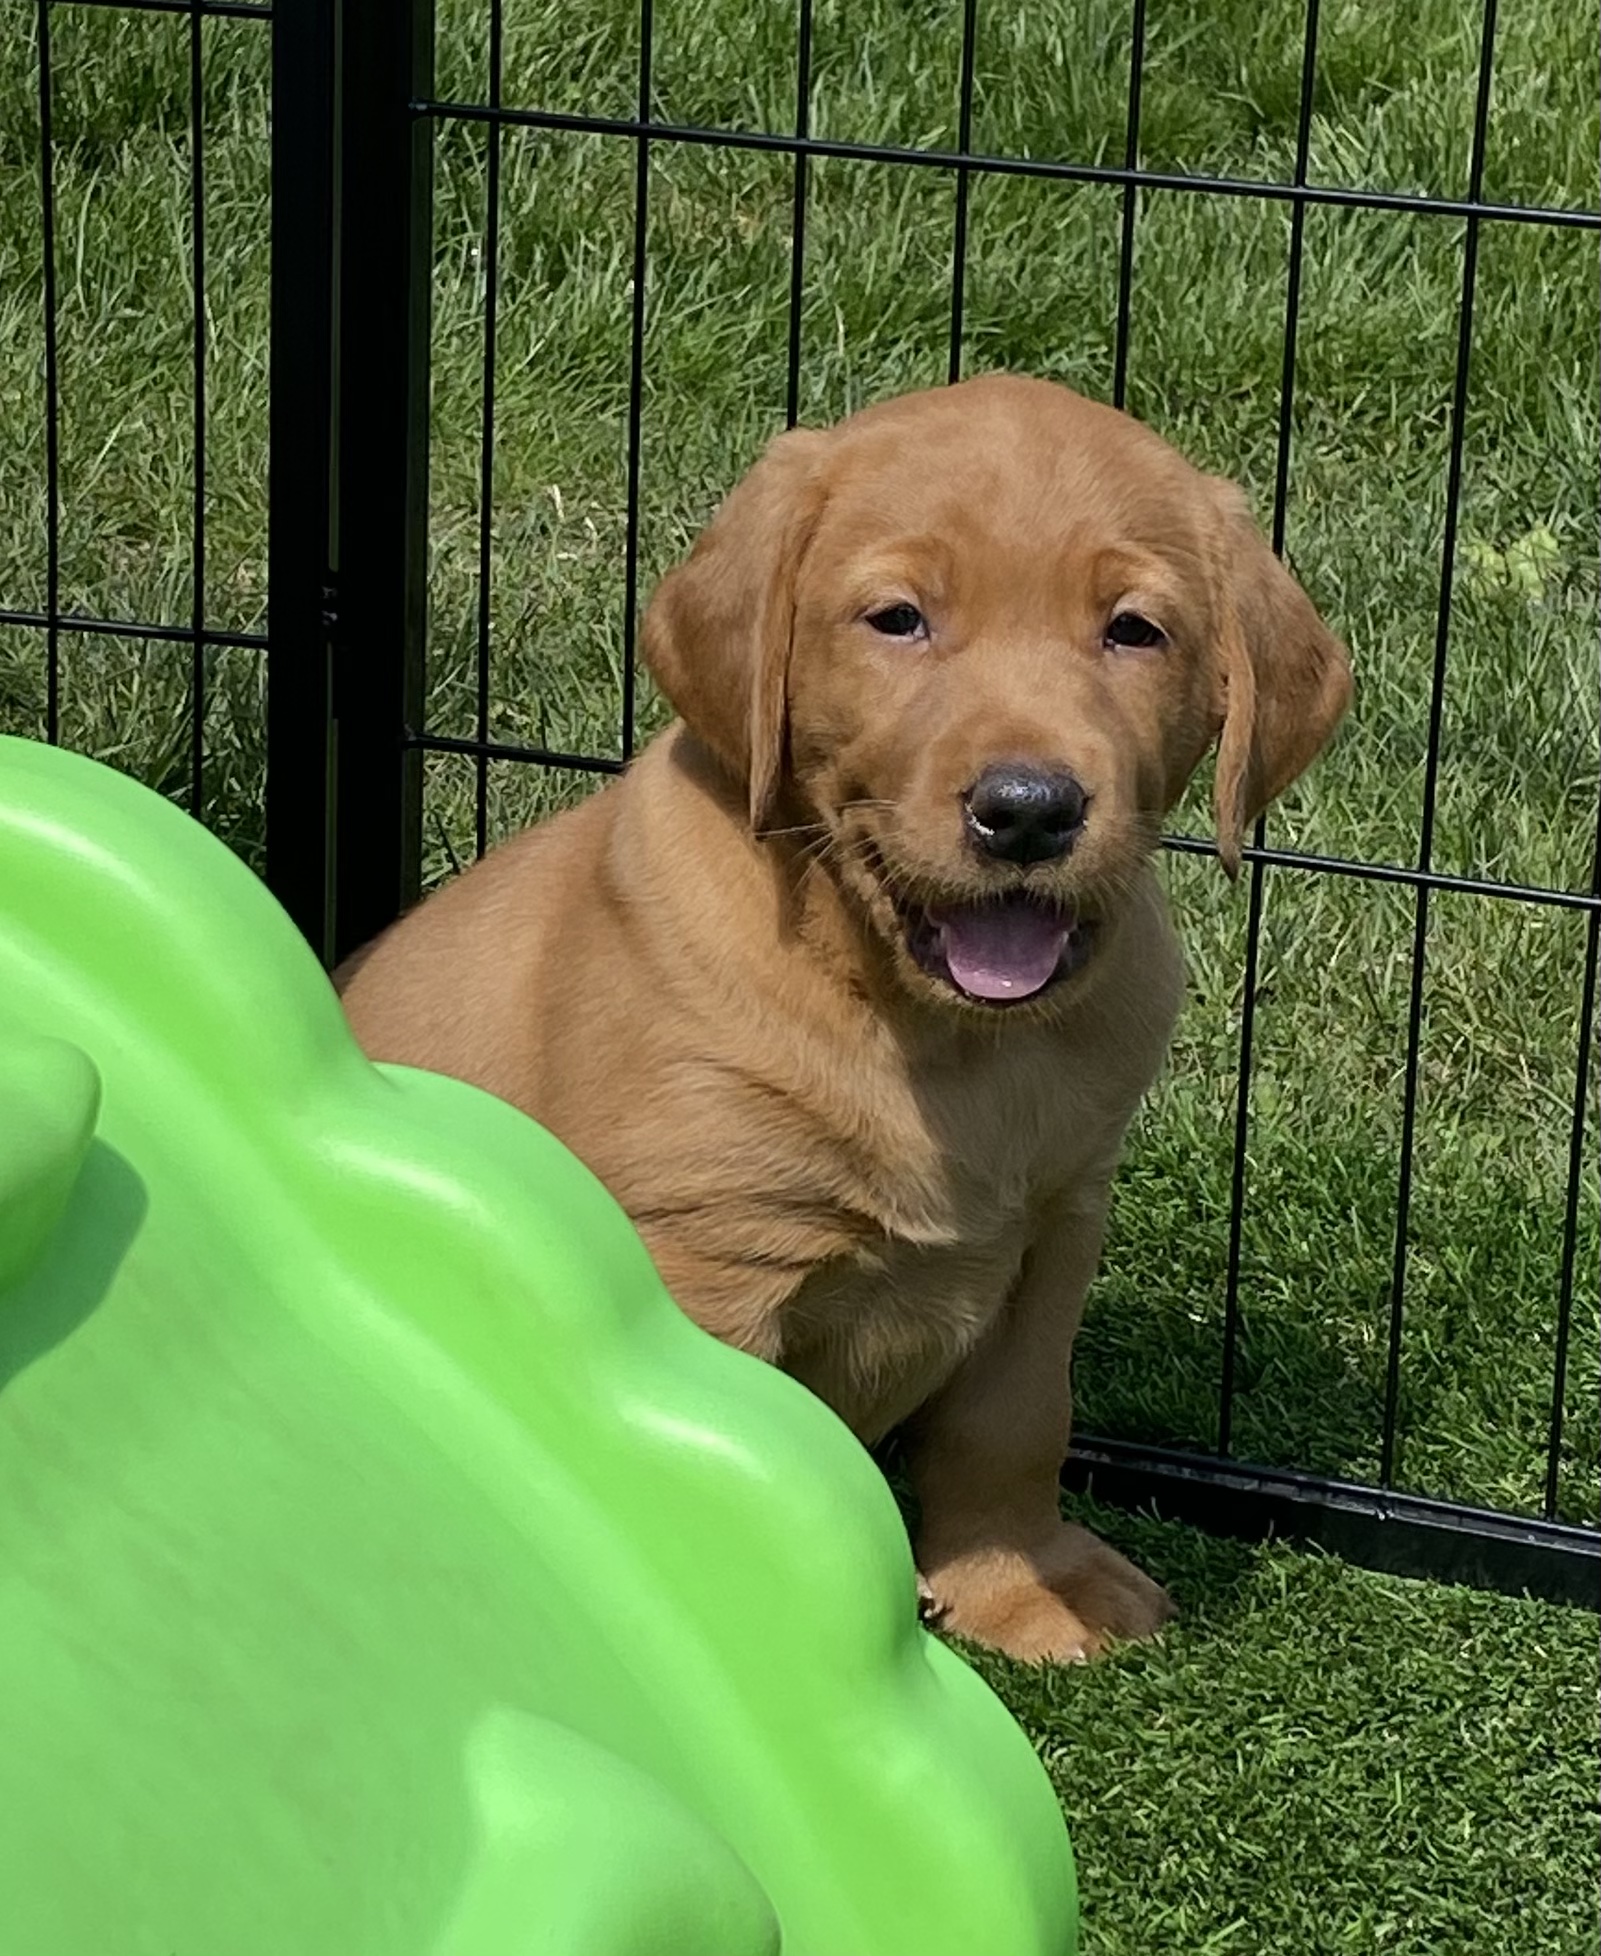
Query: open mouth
[999, 950]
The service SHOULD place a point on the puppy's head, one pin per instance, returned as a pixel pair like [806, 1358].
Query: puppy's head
[977, 640]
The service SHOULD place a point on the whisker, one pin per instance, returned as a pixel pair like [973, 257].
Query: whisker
[800, 828]
[833, 850]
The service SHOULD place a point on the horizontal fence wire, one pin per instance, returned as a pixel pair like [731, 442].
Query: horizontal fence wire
[1197, 845]
[204, 9]
[1263, 189]
[174, 634]
[503, 750]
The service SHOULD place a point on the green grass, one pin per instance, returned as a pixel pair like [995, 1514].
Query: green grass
[1317, 1761]
[1518, 783]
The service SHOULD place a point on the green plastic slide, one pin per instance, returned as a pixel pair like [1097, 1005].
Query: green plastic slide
[386, 1565]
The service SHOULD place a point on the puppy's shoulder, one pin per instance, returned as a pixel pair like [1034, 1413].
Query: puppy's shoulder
[1122, 1034]
[1150, 957]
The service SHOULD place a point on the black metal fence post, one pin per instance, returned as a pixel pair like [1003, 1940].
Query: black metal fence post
[299, 810]
[380, 464]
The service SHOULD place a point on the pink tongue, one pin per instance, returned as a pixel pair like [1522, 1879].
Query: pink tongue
[1001, 950]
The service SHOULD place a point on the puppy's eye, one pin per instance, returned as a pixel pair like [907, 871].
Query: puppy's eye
[1130, 630]
[899, 621]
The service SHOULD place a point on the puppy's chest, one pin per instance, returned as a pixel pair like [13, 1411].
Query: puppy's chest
[950, 1162]
[931, 1192]
[945, 1194]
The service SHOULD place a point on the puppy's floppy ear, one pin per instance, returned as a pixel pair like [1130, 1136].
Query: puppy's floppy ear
[717, 632]
[1284, 679]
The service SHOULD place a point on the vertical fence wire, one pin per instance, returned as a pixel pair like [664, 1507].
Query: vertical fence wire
[197, 273]
[1131, 158]
[486, 439]
[797, 221]
[964, 182]
[1431, 769]
[636, 379]
[1253, 924]
[52, 385]
[1570, 1216]
[1292, 291]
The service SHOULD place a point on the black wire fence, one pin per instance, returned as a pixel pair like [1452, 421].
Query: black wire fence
[357, 122]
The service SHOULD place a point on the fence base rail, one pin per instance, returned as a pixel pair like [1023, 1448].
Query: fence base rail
[1376, 1528]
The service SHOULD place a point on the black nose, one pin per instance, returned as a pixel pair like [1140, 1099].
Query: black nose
[1024, 814]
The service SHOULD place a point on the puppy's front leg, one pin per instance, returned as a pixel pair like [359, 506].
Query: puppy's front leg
[1000, 1563]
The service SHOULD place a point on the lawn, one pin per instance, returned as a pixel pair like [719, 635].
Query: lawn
[1317, 1758]
[1322, 1762]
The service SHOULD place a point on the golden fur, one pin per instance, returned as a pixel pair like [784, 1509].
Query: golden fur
[705, 979]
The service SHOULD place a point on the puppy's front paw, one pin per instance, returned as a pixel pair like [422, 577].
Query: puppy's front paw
[1062, 1603]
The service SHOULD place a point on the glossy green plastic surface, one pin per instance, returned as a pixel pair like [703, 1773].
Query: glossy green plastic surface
[386, 1565]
